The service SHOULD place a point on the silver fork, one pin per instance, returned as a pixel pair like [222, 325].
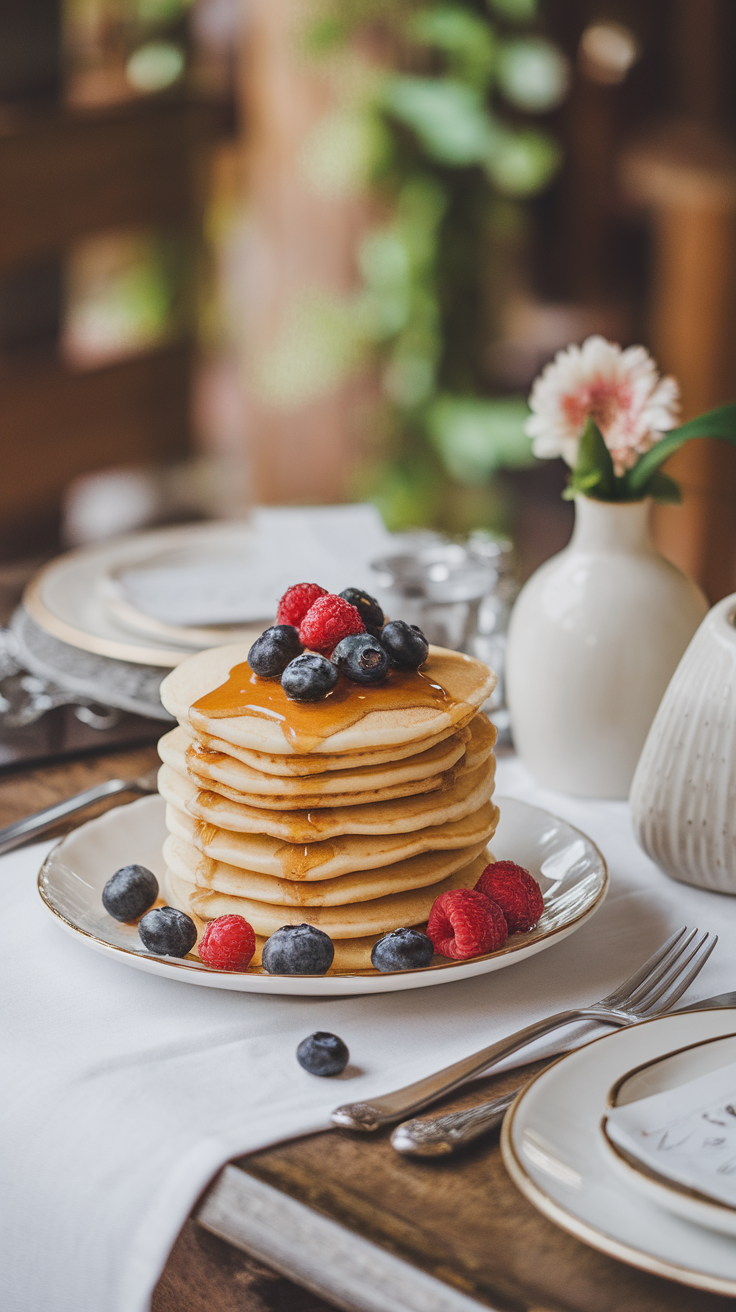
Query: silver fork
[19, 832]
[435, 1137]
[652, 990]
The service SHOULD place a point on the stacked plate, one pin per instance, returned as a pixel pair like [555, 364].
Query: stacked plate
[628, 1144]
[110, 621]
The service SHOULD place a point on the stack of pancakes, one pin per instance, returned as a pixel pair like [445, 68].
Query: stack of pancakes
[357, 835]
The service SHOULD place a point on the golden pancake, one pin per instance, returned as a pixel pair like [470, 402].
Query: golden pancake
[333, 857]
[186, 756]
[470, 790]
[189, 864]
[216, 693]
[294, 765]
[352, 921]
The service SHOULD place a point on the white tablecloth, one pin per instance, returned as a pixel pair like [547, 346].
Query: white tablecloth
[125, 1093]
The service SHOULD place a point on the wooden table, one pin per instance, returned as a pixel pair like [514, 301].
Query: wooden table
[341, 1217]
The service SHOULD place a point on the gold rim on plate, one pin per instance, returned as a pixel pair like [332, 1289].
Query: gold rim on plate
[166, 657]
[590, 1234]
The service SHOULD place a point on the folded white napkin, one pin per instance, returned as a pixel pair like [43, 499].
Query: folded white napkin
[240, 576]
[124, 1093]
[687, 1134]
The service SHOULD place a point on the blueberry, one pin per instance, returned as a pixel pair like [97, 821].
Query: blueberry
[298, 950]
[271, 653]
[402, 949]
[167, 932]
[130, 892]
[309, 678]
[405, 643]
[367, 607]
[361, 658]
[323, 1054]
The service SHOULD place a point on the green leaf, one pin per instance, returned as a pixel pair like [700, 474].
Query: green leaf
[515, 11]
[475, 437]
[448, 117]
[593, 473]
[720, 423]
[465, 38]
[533, 74]
[663, 489]
[522, 163]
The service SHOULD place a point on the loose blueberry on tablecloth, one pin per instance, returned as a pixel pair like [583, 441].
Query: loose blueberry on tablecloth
[323, 1054]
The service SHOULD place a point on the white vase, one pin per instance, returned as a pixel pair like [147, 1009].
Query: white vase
[683, 798]
[594, 638]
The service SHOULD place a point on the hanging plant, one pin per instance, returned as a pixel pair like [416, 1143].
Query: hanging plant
[445, 141]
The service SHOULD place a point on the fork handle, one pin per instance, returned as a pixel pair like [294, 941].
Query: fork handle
[405, 1102]
[19, 832]
[445, 1134]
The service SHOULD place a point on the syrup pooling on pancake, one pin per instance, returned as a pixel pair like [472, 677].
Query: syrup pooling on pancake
[304, 724]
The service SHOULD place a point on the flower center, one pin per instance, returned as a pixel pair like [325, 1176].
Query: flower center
[603, 400]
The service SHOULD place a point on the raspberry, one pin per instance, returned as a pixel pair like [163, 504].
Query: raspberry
[516, 892]
[296, 602]
[228, 943]
[464, 923]
[328, 621]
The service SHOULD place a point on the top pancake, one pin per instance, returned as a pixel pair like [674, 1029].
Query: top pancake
[466, 683]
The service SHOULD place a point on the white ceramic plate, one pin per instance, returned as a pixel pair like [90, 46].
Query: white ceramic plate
[552, 1148]
[71, 597]
[568, 865]
[655, 1077]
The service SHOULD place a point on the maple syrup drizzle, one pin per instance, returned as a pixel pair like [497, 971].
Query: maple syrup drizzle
[306, 724]
[301, 858]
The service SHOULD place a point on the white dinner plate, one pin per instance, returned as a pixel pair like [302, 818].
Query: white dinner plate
[656, 1077]
[553, 1150]
[569, 867]
[74, 598]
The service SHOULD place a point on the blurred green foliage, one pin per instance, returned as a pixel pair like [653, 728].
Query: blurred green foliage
[440, 132]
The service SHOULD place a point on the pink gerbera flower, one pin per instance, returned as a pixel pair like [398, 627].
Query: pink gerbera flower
[621, 390]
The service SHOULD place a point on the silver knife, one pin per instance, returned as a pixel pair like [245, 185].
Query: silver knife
[436, 1137]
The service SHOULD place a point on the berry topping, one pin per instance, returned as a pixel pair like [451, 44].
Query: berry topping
[309, 678]
[271, 653]
[464, 923]
[323, 1054]
[516, 892]
[367, 607]
[296, 602]
[130, 892]
[405, 643]
[167, 932]
[298, 950]
[328, 621]
[362, 658]
[228, 943]
[402, 949]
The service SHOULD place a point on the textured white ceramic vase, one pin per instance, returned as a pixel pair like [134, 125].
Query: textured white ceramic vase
[595, 637]
[683, 798]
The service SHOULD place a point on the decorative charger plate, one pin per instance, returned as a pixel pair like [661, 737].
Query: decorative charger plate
[569, 867]
[552, 1147]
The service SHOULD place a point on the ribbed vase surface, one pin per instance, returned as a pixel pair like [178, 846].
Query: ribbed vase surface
[683, 797]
